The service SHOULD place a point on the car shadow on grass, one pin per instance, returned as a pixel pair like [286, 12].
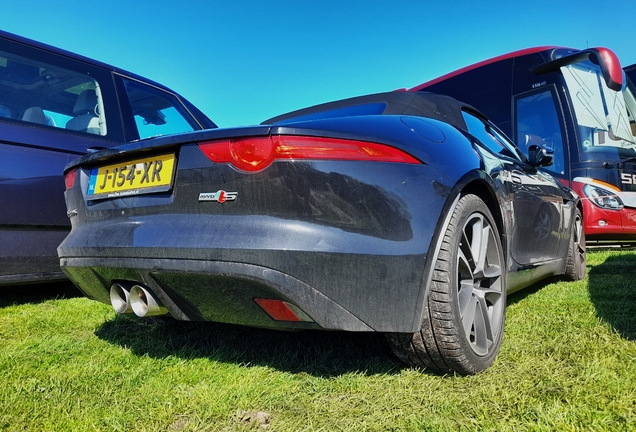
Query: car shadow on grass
[37, 293]
[518, 296]
[528, 291]
[318, 353]
[612, 288]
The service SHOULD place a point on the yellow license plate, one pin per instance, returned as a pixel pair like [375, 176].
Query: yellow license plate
[141, 176]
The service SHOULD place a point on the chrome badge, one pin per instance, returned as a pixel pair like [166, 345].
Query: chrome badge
[218, 196]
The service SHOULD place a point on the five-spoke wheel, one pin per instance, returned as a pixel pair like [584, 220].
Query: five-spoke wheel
[464, 313]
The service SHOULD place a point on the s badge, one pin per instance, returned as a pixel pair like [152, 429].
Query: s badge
[218, 196]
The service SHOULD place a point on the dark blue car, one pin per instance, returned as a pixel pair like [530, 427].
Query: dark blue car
[54, 107]
[403, 213]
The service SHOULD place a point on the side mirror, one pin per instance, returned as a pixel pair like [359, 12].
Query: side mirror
[539, 155]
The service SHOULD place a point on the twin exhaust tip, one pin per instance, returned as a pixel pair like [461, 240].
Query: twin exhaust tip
[137, 299]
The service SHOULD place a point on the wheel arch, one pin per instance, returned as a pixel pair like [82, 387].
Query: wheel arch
[446, 340]
[579, 205]
[472, 183]
[487, 194]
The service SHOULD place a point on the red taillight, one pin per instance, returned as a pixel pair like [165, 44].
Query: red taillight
[69, 178]
[282, 311]
[256, 154]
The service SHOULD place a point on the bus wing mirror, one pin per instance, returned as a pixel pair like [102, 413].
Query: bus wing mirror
[610, 67]
[605, 58]
[539, 155]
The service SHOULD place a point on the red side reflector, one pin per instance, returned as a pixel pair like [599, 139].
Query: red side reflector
[280, 310]
[69, 178]
[256, 154]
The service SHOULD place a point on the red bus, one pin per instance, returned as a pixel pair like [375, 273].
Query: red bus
[578, 102]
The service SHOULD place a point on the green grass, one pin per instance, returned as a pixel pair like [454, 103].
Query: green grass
[568, 362]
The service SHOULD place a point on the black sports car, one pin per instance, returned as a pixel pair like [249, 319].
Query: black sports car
[403, 213]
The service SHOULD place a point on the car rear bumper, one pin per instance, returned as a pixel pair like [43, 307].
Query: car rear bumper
[212, 268]
[371, 293]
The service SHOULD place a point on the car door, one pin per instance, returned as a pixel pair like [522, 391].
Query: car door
[538, 214]
[535, 199]
[52, 110]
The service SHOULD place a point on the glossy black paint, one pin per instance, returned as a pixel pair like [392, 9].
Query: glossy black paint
[33, 219]
[350, 243]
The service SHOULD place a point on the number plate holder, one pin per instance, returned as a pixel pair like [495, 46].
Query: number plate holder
[136, 177]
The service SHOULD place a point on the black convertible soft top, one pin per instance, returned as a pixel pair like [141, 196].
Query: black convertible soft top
[420, 104]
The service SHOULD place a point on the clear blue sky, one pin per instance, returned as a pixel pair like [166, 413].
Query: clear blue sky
[242, 61]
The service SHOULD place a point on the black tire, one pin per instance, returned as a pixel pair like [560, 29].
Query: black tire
[577, 258]
[465, 308]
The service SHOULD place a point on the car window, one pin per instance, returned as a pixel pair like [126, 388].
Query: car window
[537, 122]
[490, 136]
[50, 96]
[157, 112]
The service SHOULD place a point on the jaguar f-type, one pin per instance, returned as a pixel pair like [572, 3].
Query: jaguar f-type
[403, 213]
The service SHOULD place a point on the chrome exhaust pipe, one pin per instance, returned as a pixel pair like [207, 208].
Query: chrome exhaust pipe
[144, 303]
[120, 298]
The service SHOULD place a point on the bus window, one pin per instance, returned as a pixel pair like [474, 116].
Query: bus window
[605, 117]
[537, 122]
